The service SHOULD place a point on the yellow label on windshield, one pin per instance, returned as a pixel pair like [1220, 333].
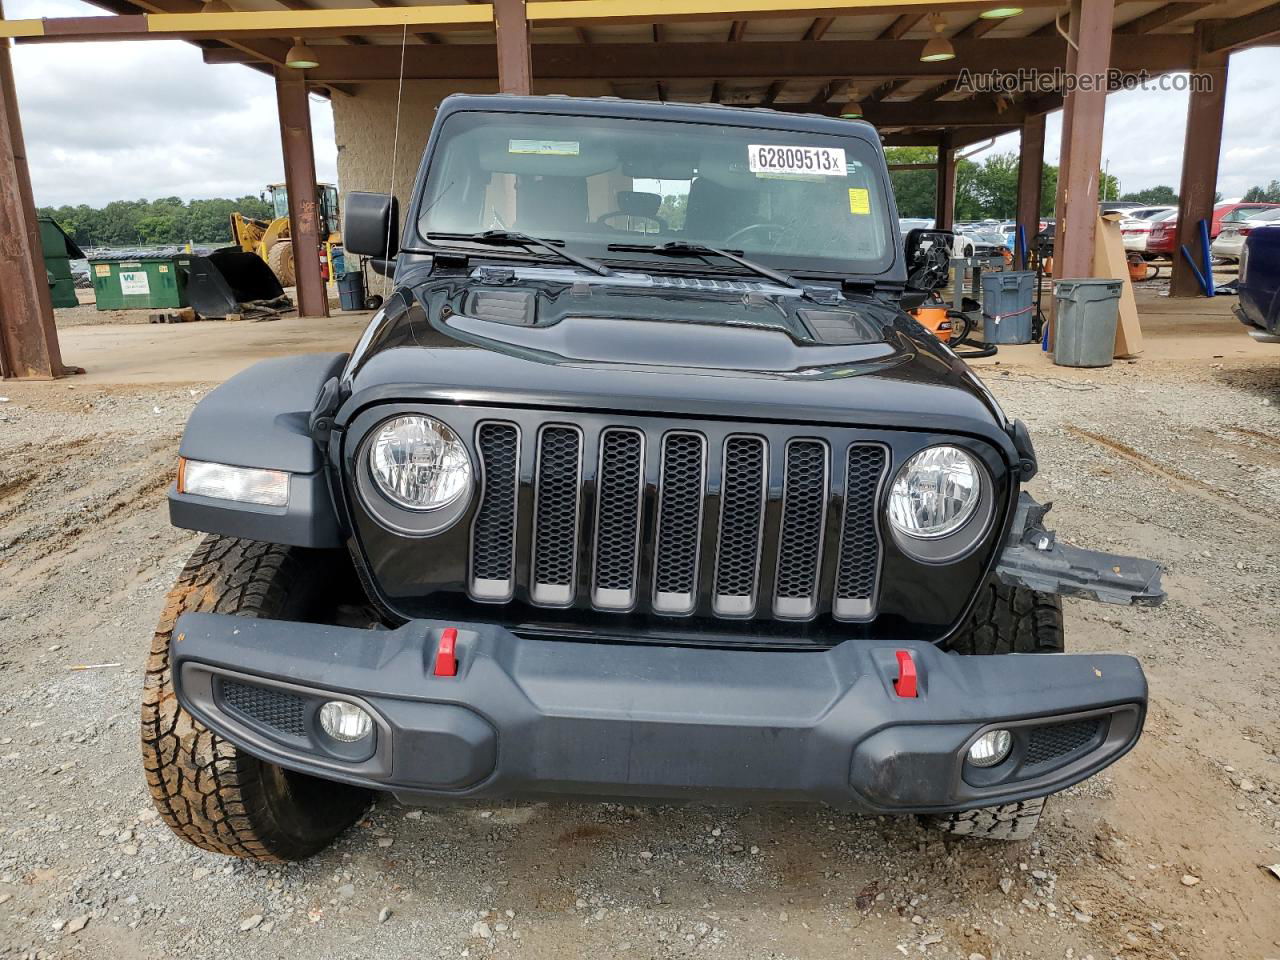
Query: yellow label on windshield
[859, 201]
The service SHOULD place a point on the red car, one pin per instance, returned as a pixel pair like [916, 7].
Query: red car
[1163, 232]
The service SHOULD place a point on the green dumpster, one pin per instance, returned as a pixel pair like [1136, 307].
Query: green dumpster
[59, 250]
[139, 284]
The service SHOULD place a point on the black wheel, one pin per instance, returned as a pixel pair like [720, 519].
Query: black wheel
[1011, 620]
[1005, 620]
[209, 792]
[372, 302]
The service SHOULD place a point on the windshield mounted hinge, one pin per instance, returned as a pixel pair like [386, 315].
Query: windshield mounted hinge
[858, 286]
[328, 400]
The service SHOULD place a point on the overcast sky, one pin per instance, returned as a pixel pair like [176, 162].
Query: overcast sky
[117, 121]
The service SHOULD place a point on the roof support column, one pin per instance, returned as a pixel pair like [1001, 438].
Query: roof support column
[300, 180]
[1030, 176]
[515, 71]
[28, 338]
[1083, 117]
[1199, 164]
[944, 208]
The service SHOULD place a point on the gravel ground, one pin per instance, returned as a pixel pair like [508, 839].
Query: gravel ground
[1159, 857]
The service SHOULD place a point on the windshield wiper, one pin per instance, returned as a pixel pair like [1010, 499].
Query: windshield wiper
[683, 248]
[512, 238]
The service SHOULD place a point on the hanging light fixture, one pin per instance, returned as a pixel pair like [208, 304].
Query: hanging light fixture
[1000, 13]
[301, 56]
[938, 47]
[852, 110]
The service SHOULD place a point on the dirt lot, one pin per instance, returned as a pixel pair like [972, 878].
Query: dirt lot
[1176, 457]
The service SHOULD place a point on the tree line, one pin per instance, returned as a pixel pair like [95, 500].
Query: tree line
[989, 189]
[168, 220]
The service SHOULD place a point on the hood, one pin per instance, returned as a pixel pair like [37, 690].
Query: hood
[665, 345]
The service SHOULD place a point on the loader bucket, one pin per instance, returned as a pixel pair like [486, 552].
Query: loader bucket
[219, 283]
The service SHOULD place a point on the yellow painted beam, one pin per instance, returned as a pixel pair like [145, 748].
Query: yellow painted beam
[355, 19]
[21, 28]
[647, 11]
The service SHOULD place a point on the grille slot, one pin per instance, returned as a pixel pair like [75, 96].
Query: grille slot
[684, 472]
[1059, 739]
[493, 537]
[804, 513]
[279, 710]
[555, 535]
[858, 572]
[618, 512]
[741, 526]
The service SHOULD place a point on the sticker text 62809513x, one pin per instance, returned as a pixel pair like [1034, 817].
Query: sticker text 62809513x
[770, 158]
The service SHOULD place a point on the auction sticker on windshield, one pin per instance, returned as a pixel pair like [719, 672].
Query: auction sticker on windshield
[769, 158]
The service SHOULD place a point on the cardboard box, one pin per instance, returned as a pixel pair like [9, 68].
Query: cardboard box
[1109, 262]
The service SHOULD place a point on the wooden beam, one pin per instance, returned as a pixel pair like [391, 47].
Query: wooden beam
[737, 30]
[1159, 17]
[979, 28]
[959, 113]
[653, 11]
[1201, 150]
[931, 138]
[1030, 178]
[1073, 258]
[300, 180]
[515, 71]
[818, 28]
[28, 338]
[944, 207]
[898, 29]
[906, 167]
[767, 60]
[1255, 29]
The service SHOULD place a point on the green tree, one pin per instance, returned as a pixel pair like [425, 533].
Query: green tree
[1153, 195]
[165, 220]
[913, 189]
[1268, 194]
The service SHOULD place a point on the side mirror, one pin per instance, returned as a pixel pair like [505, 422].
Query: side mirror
[371, 226]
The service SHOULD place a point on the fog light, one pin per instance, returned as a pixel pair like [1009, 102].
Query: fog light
[345, 721]
[990, 748]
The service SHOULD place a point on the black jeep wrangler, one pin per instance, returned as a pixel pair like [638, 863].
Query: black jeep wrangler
[640, 485]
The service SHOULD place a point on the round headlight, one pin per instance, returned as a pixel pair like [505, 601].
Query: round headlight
[935, 493]
[419, 463]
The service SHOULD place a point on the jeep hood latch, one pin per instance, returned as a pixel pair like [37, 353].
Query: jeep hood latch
[1034, 558]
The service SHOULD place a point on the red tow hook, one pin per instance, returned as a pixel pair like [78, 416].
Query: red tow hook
[905, 684]
[446, 653]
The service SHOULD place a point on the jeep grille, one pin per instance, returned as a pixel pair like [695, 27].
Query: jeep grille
[736, 528]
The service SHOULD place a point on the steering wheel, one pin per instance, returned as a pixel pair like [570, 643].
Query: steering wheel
[754, 226]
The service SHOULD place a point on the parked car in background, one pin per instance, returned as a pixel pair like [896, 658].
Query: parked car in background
[1259, 304]
[1162, 238]
[1230, 242]
[1135, 229]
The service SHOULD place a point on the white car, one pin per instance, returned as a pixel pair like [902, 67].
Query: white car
[1135, 228]
[1230, 241]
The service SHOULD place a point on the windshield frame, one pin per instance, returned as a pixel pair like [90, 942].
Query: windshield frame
[889, 269]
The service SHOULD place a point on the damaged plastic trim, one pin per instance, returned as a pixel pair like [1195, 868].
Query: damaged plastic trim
[1034, 558]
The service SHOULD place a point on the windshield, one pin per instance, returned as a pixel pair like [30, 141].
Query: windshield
[797, 201]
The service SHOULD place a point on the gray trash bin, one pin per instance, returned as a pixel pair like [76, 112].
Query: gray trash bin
[1007, 306]
[1084, 334]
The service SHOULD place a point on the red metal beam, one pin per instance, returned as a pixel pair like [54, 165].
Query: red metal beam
[300, 180]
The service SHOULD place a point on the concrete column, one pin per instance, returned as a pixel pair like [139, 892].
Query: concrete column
[1199, 165]
[515, 73]
[1074, 253]
[28, 338]
[300, 180]
[1030, 174]
[945, 195]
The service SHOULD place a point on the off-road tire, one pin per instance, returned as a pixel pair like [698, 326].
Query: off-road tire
[209, 792]
[1011, 620]
[280, 260]
[1010, 821]
[1005, 620]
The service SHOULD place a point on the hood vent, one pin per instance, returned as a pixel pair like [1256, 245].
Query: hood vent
[516, 308]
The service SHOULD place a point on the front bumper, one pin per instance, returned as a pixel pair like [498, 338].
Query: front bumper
[528, 716]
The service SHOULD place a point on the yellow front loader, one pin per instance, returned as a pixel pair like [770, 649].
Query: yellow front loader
[271, 240]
